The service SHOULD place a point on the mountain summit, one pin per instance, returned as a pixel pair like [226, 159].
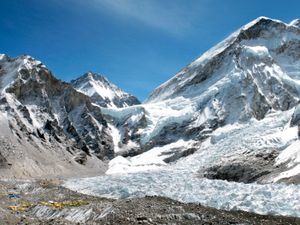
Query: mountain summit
[102, 91]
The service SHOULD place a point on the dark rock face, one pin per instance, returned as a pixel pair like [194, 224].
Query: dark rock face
[290, 48]
[126, 101]
[295, 121]
[81, 157]
[246, 169]
[296, 117]
[262, 28]
[175, 155]
[3, 161]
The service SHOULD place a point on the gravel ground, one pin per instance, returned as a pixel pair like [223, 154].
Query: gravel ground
[46, 202]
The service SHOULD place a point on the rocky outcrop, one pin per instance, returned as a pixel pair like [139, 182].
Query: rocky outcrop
[295, 121]
[296, 116]
[245, 168]
[3, 161]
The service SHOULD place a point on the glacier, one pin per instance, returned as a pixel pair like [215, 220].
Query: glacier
[181, 181]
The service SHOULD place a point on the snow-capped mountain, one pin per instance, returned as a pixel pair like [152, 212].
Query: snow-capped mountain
[103, 92]
[50, 121]
[231, 115]
[238, 87]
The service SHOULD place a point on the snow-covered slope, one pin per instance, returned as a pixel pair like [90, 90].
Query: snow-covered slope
[263, 41]
[103, 92]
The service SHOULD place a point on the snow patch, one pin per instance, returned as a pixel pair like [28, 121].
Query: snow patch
[115, 133]
[257, 51]
[150, 160]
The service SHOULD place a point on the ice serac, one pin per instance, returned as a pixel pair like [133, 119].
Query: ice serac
[250, 76]
[50, 116]
[103, 92]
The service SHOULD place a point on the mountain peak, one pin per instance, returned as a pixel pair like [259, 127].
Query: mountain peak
[93, 76]
[102, 91]
[262, 22]
[261, 33]
[266, 22]
[22, 68]
[259, 20]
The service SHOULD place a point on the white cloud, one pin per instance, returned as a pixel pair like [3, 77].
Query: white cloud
[175, 16]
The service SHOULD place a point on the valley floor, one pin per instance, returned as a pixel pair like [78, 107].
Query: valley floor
[47, 202]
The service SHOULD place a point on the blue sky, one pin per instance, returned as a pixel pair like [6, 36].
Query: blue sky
[137, 44]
